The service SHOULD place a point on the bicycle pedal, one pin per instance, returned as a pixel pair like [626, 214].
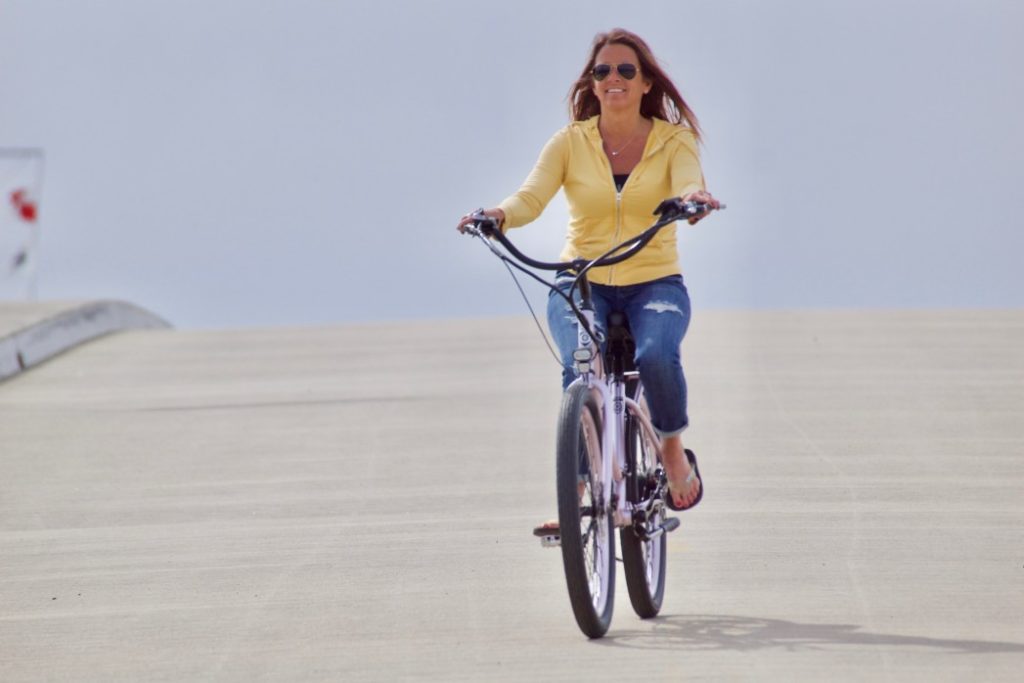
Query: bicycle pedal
[551, 541]
[671, 524]
[549, 538]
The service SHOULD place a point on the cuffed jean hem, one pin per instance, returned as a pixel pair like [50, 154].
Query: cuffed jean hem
[667, 435]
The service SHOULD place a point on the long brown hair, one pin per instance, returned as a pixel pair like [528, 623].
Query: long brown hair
[663, 101]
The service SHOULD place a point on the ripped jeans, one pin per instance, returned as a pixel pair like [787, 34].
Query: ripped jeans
[658, 313]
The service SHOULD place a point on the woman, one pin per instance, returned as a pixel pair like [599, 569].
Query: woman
[632, 143]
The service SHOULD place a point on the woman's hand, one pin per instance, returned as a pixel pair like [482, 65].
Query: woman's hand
[466, 220]
[702, 197]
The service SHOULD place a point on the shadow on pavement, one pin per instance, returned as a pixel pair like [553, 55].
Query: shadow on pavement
[709, 632]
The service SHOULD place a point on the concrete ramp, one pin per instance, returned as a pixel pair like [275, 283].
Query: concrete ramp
[32, 332]
[355, 503]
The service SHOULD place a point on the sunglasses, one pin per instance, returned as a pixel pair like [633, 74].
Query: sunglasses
[602, 71]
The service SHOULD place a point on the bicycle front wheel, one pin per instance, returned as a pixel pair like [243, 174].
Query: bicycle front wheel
[585, 522]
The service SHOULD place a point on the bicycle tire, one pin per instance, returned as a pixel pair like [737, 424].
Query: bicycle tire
[643, 562]
[586, 529]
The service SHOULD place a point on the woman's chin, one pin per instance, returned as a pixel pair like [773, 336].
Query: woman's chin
[618, 105]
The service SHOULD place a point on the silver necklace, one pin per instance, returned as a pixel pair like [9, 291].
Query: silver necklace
[619, 151]
[615, 153]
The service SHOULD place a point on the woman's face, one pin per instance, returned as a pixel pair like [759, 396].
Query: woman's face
[616, 92]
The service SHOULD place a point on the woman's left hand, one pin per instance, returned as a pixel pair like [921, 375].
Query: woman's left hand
[702, 197]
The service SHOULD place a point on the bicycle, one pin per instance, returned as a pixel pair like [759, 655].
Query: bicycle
[608, 466]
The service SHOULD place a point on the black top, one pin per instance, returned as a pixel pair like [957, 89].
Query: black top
[620, 180]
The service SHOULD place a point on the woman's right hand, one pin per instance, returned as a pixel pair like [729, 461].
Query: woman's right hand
[701, 197]
[467, 220]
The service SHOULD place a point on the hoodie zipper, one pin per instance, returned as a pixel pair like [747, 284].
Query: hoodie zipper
[618, 221]
[618, 199]
[618, 195]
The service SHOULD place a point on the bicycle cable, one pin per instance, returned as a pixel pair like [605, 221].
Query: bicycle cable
[508, 266]
[569, 298]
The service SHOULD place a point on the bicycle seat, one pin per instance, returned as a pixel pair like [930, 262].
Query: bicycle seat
[620, 347]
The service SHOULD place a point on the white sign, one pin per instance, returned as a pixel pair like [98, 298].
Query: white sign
[21, 177]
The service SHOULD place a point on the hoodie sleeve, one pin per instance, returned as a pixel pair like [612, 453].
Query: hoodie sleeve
[686, 174]
[541, 185]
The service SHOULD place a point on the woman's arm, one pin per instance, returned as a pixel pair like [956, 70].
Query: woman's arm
[537, 190]
[687, 178]
[540, 186]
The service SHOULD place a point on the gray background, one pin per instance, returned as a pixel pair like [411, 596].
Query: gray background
[229, 163]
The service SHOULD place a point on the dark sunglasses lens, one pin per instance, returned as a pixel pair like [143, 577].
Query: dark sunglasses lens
[627, 71]
[601, 72]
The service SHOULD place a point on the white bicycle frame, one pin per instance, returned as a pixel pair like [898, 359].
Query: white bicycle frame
[613, 399]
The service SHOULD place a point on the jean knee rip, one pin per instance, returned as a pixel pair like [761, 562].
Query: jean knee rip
[663, 307]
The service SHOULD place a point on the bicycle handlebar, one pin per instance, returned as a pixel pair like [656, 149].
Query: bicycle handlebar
[671, 210]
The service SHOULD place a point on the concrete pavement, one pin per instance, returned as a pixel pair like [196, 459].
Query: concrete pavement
[355, 503]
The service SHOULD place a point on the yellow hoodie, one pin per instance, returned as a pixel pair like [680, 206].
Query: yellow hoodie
[601, 217]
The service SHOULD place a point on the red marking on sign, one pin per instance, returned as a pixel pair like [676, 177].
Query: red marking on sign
[28, 212]
[25, 207]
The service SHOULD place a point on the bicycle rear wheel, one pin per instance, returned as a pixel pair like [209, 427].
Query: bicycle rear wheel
[585, 523]
[643, 561]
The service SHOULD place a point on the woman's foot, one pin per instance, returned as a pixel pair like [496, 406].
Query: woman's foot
[683, 483]
[548, 528]
[551, 527]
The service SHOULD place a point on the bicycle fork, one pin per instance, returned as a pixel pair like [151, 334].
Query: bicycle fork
[589, 367]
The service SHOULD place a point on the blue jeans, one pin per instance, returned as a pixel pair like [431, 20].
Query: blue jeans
[658, 313]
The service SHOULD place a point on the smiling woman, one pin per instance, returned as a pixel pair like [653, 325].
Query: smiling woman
[660, 98]
[631, 146]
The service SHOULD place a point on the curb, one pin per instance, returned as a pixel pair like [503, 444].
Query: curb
[51, 336]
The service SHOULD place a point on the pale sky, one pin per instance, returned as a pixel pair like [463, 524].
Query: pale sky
[226, 162]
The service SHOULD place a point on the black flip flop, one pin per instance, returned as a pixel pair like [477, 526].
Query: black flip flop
[692, 458]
